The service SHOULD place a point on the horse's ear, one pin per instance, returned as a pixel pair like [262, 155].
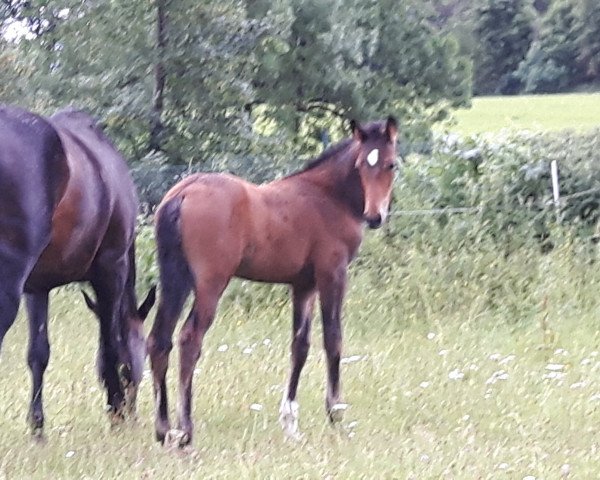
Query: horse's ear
[391, 129]
[93, 306]
[148, 303]
[357, 132]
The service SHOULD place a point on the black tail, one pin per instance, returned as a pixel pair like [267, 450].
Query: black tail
[176, 280]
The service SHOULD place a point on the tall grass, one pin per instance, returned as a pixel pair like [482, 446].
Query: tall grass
[461, 361]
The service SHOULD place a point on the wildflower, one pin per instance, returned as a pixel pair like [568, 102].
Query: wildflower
[499, 375]
[456, 374]
[351, 359]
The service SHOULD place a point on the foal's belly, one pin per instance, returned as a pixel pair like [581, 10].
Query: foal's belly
[266, 263]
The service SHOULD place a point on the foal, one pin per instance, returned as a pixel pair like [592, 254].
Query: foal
[302, 230]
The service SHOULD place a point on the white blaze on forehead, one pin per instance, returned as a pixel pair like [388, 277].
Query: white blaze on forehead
[373, 157]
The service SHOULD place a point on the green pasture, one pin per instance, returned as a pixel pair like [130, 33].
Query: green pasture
[580, 112]
[458, 363]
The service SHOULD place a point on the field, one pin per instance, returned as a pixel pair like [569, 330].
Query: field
[460, 362]
[457, 365]
[535, 112]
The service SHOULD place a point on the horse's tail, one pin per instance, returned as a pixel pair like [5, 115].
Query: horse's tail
[176, 279]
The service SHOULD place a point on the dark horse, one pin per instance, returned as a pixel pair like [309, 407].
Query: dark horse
[302, 230]
[67, 213]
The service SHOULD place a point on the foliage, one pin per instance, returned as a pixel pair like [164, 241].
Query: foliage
[507, 178]
[589, 12]
[203, 82]
[552, 62]
[503, 31]
[355, 59]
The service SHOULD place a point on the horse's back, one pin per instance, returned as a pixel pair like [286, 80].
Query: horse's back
[213, 219]
[32, 178]
[229, 225]
[99, 150]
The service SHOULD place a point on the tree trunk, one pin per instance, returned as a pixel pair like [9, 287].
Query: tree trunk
[156, 124]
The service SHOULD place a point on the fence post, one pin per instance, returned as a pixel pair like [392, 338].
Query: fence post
[555, 188]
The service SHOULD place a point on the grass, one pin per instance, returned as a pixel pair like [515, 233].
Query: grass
[580, 111]
[460, 364]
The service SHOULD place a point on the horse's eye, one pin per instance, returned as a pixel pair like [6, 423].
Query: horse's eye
[392, 166]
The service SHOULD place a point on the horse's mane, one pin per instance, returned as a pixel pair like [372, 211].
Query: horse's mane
[325, 156]
[334, 150]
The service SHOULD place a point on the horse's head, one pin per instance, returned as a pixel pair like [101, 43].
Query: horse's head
[129, 335]
[135, 348]
[375, 163]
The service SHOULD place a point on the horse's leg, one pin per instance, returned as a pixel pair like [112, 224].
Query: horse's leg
[38, 355]
[108, 283]
[303, 300]
[172, 298]
[191, 336]
[14, 272]
[9, 306]
[332, 286]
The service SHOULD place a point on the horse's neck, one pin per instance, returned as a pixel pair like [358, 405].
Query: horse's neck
[339, 178]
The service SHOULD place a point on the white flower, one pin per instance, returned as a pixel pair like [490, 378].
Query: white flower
[256, 407]
[553, 375]
[351, 359]
[267, 342]
[555, 367]
[577, 385]
[503, 466]
[507, 359]
[247, 351]
[430, 336]
[424, 384]
[222, 348]
[499, 375]
[456, 374]
[443, 352]
[495, 357]
[70, 454]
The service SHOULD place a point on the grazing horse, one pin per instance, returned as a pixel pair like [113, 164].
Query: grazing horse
[67, 214]
[302, 230]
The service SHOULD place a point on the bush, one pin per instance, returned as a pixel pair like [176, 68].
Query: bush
[507, 179]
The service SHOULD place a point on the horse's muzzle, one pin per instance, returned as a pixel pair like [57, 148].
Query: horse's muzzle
[374, 221]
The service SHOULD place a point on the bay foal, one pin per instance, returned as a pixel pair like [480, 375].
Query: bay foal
[302, 230]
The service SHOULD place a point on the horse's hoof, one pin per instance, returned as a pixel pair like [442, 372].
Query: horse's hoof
[115, 417]
[37, 434]
[336, 412]
[288, 419]
[176, 439]
[36, 421]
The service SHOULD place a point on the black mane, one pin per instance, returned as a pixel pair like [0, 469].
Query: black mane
[373, 128]
[327, 154]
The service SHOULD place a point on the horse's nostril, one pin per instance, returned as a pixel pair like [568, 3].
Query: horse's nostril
[374, 222]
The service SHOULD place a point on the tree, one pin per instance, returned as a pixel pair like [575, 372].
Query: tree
[503, 32]
[552, 63]
[589, 39]
[328, 60]
[220, 84]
